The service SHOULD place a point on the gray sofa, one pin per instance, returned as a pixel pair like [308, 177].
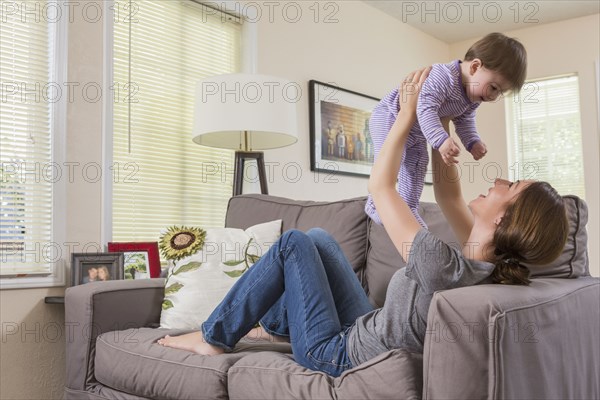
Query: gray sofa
[488, 341]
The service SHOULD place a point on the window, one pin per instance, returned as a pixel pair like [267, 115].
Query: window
[545, 134]
[31, 154]
[160, 177]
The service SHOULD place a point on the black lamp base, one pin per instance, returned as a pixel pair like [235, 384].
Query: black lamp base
[238, 174]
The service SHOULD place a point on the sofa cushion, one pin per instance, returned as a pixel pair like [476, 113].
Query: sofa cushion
[383, 260]
[131, 361]
[514, 342]
[345, 220]
[392, 375]
[573, 262]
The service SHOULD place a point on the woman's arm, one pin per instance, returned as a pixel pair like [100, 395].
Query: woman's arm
[397, 218]
[448, 195]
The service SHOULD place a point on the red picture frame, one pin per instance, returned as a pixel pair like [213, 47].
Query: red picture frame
[150, 247]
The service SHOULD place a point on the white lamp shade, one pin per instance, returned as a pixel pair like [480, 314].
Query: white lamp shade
[226, 106]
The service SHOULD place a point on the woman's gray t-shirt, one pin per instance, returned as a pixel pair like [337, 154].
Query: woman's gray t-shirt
[402, 321]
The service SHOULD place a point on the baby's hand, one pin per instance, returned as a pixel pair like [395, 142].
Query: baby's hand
[449, 150]
[478, 150]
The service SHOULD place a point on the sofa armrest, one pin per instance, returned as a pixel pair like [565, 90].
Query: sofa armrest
[507, 342]
[94, 308]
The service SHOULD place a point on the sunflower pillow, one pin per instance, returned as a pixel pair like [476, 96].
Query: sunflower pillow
[205, 265]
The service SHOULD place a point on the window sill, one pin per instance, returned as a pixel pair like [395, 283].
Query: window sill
[41, 281]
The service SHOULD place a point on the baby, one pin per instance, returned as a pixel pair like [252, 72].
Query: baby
[492, 66]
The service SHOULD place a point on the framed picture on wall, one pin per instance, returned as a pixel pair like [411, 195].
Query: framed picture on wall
[141, 259]
[339, 130]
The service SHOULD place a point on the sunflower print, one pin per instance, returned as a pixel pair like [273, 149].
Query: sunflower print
[181, 241]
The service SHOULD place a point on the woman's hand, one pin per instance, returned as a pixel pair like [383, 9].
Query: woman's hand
[409, 91]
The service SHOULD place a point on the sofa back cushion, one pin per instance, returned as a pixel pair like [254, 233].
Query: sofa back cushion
[383, 260]
[345, 220]
[573, 262]
[368, 247]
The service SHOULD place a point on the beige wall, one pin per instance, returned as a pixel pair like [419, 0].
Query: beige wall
[32, 357]
[570, 46]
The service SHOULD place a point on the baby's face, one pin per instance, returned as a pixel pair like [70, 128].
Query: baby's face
[486, 85]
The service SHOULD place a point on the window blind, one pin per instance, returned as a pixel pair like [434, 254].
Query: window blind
[162, 177]
[545, 139]
[27, 171]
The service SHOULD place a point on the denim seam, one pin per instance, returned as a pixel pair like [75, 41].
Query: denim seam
[293, 255]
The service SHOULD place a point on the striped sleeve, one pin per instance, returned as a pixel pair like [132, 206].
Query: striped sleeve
[435, 91]
[465, 127]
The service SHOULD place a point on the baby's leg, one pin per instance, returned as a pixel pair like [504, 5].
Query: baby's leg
[412, 176]
[380, 124]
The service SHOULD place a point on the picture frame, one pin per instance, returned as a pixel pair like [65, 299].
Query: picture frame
[340, 141]
[96, 267]
[141, 259]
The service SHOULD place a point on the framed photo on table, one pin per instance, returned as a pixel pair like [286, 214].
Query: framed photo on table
[340, 140]
[96, 267]
[141, 259]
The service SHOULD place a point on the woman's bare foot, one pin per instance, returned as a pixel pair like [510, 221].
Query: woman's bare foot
[259, 333]
[193, 342]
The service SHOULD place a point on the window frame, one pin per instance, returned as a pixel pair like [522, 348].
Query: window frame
[516, 167]
[248, 59]
[57, 277]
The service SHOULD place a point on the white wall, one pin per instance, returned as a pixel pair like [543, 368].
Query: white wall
[570, 46]
[366, 51]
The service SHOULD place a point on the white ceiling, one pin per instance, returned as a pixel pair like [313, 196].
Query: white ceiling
[455, 21]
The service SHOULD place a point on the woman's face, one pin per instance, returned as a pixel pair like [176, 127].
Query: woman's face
[102, 274]
[499, 196]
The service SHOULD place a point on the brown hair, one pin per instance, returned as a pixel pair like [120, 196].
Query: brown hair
[503, 55]
[533, 229]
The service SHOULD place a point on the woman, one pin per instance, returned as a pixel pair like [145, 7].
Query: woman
[103, 273]
[304, 289]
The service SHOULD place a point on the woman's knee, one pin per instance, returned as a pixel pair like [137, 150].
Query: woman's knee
[295, 236]
[318, 234]
[326, 244]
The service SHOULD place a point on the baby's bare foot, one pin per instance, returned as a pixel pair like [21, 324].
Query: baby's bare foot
[193, 342]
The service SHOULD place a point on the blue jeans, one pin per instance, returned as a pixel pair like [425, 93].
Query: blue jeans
[304, 288]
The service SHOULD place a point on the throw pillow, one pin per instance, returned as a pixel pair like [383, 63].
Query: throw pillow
[200, 279]
[573, 262]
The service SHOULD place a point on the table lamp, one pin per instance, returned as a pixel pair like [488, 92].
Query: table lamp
[246, 113]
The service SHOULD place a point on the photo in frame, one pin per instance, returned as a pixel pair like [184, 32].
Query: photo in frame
[96, 267]
[141, 259]
[339, 130]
